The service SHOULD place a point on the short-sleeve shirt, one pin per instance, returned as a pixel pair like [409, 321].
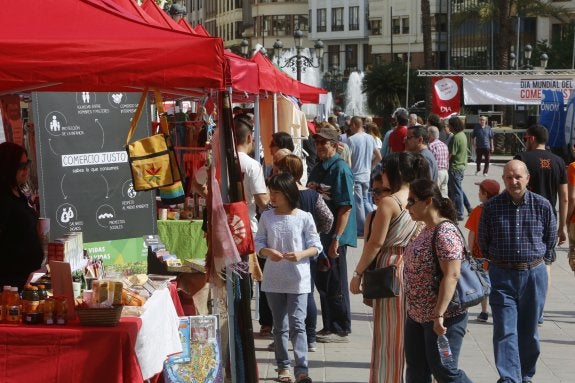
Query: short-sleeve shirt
[254, 183]
[422, 272]
[482, 136]
[441, 153]
[397, 139]
[546, 173]
[362, 146]
[458, 152]
[336, 174]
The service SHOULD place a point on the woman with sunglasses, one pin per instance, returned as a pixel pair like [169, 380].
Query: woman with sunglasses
[427, 262]
[392, 230]
[21, 246]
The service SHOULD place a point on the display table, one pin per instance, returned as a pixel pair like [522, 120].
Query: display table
[132, 351]
[184, 238]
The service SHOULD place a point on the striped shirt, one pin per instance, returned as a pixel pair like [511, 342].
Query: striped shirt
[440, 152]
[513, 233]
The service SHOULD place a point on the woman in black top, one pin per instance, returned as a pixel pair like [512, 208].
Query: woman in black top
[21, 248]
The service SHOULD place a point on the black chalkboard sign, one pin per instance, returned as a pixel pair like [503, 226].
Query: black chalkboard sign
[83, 174]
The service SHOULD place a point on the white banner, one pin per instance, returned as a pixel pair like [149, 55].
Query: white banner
[512, 90]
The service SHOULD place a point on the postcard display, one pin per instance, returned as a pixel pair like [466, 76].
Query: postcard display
[83, 174]
[200, 360]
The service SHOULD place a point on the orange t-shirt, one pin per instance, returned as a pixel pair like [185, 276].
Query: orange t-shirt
[473, 225]
[571, 182]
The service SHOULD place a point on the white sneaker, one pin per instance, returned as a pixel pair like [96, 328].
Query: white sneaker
[477, 173]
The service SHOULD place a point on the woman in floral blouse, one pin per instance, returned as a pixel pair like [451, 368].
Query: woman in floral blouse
[426, 263]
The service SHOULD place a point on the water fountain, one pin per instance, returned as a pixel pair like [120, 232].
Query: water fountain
[355, 100]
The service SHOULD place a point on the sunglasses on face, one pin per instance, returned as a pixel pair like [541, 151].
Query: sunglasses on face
[23, 165]
[411, 202]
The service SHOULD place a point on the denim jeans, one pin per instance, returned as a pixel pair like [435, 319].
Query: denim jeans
[333, 288]
[362, 204]
[485, 153]
[311, 317]
[289, 311]
[421, 354]
[517, 299]
[455, 189]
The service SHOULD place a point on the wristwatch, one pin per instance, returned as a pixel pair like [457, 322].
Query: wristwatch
[356, 274]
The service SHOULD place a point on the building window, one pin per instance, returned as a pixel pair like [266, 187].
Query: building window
[351, 58]
[300, 22]
[395, 22]
[333, 56]
[354, 18]
[309, 20]
[405, 25]
[280, 26]
[375, 27]
[337, 19]
[400, 25]
[321, 20]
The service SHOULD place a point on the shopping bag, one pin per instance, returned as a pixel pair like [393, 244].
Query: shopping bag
[239, 223]
[152, 159]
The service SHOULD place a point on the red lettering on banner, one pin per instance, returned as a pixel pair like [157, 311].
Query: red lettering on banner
[530, 94]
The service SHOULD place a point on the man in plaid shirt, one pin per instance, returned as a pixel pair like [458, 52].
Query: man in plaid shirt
[517, 230]
[441, 154]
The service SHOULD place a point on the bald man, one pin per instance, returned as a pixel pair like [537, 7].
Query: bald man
[517, 230]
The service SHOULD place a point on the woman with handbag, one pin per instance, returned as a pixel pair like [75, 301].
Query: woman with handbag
[394, 230]
[428, 315]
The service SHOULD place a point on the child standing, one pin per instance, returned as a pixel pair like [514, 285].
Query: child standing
[287, 237]
[487, 188]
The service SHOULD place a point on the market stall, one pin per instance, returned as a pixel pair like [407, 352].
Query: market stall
[132, 351]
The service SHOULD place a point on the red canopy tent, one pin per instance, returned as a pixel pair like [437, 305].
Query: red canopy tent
[81, 45]
[309, 94]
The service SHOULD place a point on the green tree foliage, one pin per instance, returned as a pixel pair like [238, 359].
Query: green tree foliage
[385, 87]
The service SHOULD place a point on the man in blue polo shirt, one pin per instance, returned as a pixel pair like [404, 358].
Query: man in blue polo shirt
[332, 178]
[517, 230]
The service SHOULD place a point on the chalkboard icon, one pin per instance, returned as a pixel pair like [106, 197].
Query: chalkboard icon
[66, 215]
[104, 215]
[55, 124]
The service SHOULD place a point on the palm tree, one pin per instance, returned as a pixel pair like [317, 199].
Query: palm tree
[504, 13]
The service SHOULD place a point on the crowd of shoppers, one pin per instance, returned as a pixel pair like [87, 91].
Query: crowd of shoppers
[404, 195]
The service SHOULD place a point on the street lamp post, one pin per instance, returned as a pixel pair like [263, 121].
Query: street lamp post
[333, 80]
[299, 62]
[244, 46]
[527, 51]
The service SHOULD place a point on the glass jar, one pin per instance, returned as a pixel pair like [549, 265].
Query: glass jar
[30, 305]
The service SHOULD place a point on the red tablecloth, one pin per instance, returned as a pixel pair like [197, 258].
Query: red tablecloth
[73, 353]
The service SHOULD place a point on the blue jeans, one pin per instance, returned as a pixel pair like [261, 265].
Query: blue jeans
[362, 204]
[421, 354]
[289, 311]
[333, 288]
[455, 190]
[517, 299]
[311, 317]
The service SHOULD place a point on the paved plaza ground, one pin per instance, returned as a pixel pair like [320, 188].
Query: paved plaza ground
[349, 363]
